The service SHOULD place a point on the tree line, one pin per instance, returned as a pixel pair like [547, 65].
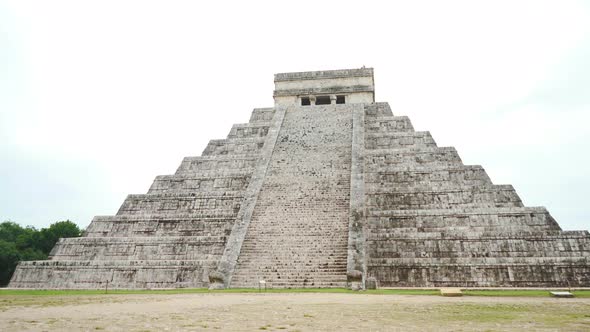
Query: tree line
[19, 243]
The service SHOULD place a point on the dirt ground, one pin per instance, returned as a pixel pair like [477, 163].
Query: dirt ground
[290, 312]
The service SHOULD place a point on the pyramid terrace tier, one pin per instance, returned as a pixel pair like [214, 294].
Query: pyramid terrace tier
[117, 274]
[262, 115]
[556, 259]
[399, 140]
[173, 204]
[461, 220]
[375, 234]
[377, 110]
[234, 146]
[388, 124]
[221, 164]
[395, 247]
[205, 182]
[423, 178]
[412, 199]
[249, 130]
[384, 159]
[140, 248]
[531, 272]
[212, 223]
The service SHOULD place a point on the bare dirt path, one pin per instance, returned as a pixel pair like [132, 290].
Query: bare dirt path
[290, 312]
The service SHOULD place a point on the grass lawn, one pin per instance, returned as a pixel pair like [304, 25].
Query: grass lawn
[280, 310]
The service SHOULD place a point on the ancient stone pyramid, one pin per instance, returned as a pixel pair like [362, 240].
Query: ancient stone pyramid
[326, 189]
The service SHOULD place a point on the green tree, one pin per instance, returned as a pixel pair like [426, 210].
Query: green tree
[10, 231]
[9, 257]
[60, 229]
[19, 243]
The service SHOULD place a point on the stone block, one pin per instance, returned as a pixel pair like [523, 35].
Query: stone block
[451, 292]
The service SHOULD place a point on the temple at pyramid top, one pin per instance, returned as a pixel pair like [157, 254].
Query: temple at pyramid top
[327, 188]
[345, 86]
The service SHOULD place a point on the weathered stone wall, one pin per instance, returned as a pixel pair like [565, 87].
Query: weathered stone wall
[405, 157]
[173, 236]
[205, 182]
[262, 115]
[125, 274]
[200, 223]
[432, 221]
[232, 163]
[356, 84]
[233, 146]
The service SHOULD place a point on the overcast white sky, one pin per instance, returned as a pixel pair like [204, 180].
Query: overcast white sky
[99, 97]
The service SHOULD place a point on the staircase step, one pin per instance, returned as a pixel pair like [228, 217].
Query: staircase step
[308, 185]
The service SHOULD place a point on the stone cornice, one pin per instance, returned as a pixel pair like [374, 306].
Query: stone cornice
[324, 74]
[326, 90]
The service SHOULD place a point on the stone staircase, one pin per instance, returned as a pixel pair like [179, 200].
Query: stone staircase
[299, 229]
